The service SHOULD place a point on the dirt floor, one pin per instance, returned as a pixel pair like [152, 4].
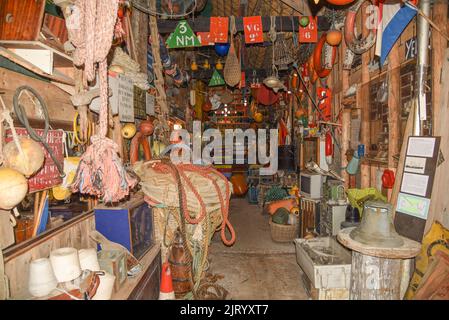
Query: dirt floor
[255, 267]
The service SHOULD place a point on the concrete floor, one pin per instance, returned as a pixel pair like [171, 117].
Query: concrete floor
[255, 267]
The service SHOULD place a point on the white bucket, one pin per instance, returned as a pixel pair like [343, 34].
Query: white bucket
[66, 264]
[88, 259]
[42, 280]
[106, 287]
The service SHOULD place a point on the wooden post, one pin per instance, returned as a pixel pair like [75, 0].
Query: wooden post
[378, 273]
[139, 22]
[439, 203]
[439, 45]
[363, 102]
[394, 106]
[345, 118]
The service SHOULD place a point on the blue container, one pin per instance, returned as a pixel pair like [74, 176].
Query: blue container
[253, 194]
[361, 150]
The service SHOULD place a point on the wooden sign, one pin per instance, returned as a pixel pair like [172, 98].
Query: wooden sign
[182, 37]
[205, 38]
[219, 29]
[309, 33]
[253, 30]
[48, 176]
[216, 80]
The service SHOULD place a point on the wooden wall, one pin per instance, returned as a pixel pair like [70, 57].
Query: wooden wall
[17, 260]
[58, 101]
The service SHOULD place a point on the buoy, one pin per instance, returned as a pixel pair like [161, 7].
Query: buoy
[28, 163]
[166, 292]
[258, 117]
[129, 130]
[13, 188]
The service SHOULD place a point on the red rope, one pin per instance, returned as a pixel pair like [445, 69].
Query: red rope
[207, 173]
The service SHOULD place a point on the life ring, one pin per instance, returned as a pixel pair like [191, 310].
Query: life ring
[319, 69]
[76, 129]
[139, 140]
[358, 46]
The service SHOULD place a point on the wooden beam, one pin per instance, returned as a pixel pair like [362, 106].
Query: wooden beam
[202, 24]
[439, 203]
[439, 45]
[394, 106]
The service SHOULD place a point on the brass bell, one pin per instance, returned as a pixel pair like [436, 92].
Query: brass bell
[376, 228]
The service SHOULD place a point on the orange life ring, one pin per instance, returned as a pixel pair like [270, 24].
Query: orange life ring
[319, 69]
[358, 46]
[139, 140]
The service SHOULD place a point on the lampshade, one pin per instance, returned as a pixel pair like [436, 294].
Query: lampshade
[219, 65]
[194, 66]
[206, 64]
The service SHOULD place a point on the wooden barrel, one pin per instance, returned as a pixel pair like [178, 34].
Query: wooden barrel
[180, 267]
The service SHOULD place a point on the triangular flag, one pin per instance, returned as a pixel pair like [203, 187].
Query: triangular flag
[216, 80]
[182, 37]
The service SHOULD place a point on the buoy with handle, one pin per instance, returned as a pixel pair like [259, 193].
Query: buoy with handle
[166, 292]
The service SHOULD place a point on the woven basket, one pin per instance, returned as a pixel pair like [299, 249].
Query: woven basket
[283, 232]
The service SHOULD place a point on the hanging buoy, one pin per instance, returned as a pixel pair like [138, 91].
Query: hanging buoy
[129, 130]
[13, 188]
[329, 148]
[304, 21]
[27, 163]
[333, 38]
[258, 117]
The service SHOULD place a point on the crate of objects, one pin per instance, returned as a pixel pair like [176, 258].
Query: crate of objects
[114, 262]
[327, 266]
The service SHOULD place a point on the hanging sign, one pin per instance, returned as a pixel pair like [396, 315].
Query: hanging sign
[125, 98]
[205, 38]
[216, 80]
[324, 103]
[310, 32]
[219, 28]
[252, 27]
[182, 37]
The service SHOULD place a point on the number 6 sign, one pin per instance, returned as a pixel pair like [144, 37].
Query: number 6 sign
[309, 33]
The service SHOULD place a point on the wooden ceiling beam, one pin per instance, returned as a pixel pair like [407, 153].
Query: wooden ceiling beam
[202, 24]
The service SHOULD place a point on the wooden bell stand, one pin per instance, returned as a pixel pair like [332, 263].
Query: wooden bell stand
[382, 273]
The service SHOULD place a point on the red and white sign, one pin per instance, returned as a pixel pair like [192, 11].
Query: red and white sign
[219, 28]
[309, 33]
[252, 27]
[205, 38]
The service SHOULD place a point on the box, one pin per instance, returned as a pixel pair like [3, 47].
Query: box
[326, 263]
[114, 262]
[130, 224]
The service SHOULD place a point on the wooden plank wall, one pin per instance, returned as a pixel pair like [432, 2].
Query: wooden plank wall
[58, 101]
[17, 263]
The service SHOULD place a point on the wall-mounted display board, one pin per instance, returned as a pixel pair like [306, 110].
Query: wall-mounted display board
[416, 186]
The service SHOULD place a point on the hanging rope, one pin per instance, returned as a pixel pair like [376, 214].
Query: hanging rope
[101, 172]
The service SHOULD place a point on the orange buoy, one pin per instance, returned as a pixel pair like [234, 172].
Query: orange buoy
[239, 184]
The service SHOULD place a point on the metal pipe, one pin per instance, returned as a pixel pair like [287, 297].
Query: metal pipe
[421, 68]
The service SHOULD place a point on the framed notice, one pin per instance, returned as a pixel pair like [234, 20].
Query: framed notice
[149, 104]
[139, 103]
[416, 186]
[125, 97]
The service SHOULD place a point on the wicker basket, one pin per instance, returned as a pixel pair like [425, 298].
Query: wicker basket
[283, 232]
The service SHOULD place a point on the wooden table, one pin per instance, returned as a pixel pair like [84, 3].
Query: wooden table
[379, 273]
